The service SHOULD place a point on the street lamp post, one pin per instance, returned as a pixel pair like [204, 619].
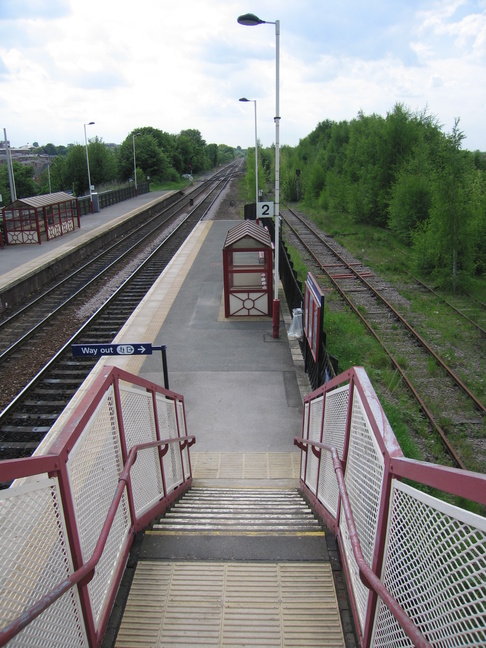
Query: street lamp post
[134, 135]
[256, 155]
[87, 163]
[251, 20]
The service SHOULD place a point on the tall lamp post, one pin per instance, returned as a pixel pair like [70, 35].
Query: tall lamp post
[251, 20]
[256, 155]
[134, 135]
[87, 163]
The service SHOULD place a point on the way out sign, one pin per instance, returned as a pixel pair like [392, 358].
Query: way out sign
[96, 350]
[140, 348]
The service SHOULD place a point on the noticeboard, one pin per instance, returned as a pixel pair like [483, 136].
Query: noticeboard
[313, 314]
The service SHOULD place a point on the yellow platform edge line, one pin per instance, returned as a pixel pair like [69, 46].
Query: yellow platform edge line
[316, 534]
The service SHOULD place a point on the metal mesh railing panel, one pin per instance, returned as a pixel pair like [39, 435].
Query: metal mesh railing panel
[186, 465]
[435, 566]
[335, 415]
[139, 427]
[94, 466]
[306, 414]
[314, 434]
[167, 417]
[34, 555]
[364, 478]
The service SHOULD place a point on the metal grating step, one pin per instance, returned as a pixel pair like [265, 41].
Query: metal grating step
[231, 604]
[240, 511]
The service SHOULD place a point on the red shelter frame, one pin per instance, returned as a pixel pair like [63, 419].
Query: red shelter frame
[29, 220]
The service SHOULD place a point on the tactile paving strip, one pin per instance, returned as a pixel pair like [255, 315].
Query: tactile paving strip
[231, 604]
[247, 465]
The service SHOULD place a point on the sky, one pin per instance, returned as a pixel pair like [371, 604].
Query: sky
[184, 64]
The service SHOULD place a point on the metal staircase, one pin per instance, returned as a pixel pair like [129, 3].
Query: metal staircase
[240, 511]
[234, 567]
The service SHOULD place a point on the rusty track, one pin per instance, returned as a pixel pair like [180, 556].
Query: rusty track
[353, 282]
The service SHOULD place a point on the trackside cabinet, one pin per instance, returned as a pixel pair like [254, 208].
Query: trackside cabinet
[247, 267]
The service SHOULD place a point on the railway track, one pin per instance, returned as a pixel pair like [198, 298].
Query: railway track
[452, 410]
[98, 309]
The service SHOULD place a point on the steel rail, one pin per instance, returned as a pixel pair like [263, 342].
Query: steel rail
[451, 306]
[430, 417]
[66, 348]
[154, 224]
[410, 328]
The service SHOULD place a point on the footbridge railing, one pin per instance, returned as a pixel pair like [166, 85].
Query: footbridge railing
[415, 563]
[68, 521]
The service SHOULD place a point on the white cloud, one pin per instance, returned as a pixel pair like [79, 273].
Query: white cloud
[68, 62]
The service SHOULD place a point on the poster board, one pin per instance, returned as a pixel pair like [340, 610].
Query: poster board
[313, 314]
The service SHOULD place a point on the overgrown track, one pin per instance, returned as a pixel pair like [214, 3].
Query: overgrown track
[32, 412]
[443, 397]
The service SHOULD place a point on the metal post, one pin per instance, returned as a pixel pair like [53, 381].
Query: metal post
[164, 366]
[256, 164]
[276, 301]
[134, 165]
[87, 163]
[11, 178]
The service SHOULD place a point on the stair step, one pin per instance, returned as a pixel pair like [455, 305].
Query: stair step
[250, 511]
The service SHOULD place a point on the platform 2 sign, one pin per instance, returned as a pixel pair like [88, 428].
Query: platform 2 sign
[313, 315]
[96, 350]
[265, 210]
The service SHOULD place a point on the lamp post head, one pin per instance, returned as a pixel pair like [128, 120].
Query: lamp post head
[250, 20]
[90, 124]
[244, 99]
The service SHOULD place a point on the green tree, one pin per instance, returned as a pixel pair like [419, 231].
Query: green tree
[77, 170]
[212, 154]
[149, 156]
[225, 154]
[411, 195]
[192, 149]
[447, 232]
[102, 163]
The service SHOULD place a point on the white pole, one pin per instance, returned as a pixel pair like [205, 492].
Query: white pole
[134, 164]
[276, 315]
[256, 164]
[11, 177]
[87, 163]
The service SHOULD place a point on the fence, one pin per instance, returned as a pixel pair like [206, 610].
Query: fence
[415, 564]
[120, 461]
[326, 366]
[111, 197]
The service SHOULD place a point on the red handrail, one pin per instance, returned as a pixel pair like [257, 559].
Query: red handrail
[86, 572]
[367, 575]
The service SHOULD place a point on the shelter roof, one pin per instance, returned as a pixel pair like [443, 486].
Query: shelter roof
[248, 228]
[41, 201]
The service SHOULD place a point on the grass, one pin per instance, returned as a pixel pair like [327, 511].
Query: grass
[156, 185]
[394, 262]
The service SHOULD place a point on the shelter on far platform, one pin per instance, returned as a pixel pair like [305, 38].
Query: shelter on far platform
[247, 267]
[40, 218]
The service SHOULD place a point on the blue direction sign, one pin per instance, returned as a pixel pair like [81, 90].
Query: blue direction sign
[95, 350]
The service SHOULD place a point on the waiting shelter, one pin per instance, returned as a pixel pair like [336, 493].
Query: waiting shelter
[247, 267]
[31, 220]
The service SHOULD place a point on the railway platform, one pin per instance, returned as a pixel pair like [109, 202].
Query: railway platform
[19, 263]
[223, 554]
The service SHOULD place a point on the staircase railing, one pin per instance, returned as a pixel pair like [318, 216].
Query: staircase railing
[68, 521]
[414, 563]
